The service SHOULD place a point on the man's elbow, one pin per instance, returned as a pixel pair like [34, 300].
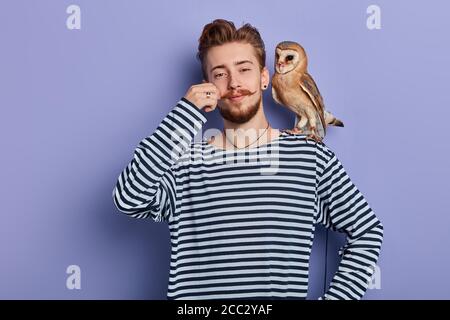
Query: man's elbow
[378, 232]
[118, 203]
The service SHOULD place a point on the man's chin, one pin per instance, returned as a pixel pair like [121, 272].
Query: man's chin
[238, 112]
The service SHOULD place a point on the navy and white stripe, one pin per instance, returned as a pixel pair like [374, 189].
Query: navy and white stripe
[242, 221]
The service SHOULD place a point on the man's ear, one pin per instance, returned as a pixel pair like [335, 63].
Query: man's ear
[265, 76]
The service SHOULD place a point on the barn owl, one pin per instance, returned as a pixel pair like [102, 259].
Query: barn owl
[294, 88]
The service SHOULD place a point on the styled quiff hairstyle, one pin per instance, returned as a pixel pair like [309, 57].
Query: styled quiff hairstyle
[222, 31]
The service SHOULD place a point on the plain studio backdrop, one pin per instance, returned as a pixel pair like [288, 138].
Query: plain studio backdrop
[76, 100]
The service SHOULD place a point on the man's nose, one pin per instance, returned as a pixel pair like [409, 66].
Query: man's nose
[233, 82]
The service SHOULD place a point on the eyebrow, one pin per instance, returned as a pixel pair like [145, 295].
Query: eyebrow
[237, 63]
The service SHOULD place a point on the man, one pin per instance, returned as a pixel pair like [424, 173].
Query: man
[244, 229]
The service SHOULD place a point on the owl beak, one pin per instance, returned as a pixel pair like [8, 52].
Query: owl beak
[280, 65]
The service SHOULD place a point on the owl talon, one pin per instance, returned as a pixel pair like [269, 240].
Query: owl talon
[293, 131]
[314, 137]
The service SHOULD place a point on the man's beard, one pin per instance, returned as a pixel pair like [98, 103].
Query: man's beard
[239, 113]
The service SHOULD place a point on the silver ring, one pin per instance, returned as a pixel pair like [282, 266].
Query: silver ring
[208, 94]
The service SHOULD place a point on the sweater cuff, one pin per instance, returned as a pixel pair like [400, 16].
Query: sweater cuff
[199, 113]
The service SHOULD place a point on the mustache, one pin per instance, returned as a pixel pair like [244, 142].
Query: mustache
[242, 92]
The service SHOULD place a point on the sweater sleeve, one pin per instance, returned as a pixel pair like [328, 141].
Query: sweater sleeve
[147, 185]
[343, 208]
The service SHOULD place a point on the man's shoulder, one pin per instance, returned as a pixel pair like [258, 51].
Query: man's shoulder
[301, 138]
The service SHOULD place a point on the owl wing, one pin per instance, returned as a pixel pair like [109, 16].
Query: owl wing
[275, 96]
[310, 88]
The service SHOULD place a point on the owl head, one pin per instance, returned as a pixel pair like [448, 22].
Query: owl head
[289, 56]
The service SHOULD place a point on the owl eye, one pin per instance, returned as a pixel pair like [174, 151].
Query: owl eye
[289, 57]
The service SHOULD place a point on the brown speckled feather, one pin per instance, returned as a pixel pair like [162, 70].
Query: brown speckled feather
[309, 86]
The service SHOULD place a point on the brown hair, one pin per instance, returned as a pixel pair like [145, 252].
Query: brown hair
[222, 31]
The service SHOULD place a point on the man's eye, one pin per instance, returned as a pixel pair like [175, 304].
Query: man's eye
[219, 75]
[245, 69]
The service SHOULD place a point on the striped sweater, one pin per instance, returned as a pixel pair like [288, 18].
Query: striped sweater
[242, 221]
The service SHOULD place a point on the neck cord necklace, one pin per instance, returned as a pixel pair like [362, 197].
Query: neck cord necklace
[268, 125]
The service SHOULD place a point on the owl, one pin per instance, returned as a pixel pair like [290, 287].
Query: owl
[294, 88]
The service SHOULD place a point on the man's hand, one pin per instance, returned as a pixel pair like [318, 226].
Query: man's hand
[197, 94]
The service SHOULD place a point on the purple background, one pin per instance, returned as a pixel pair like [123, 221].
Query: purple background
[75, 104]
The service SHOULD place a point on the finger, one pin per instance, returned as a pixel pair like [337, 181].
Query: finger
[205, 87]
[204, 83]
[217, 90]
[207, 84]
[214, 90]
[209, 87]
[212, 95]
[210, 104]
[209, 108]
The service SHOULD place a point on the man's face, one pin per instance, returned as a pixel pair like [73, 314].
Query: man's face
[235, 70]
